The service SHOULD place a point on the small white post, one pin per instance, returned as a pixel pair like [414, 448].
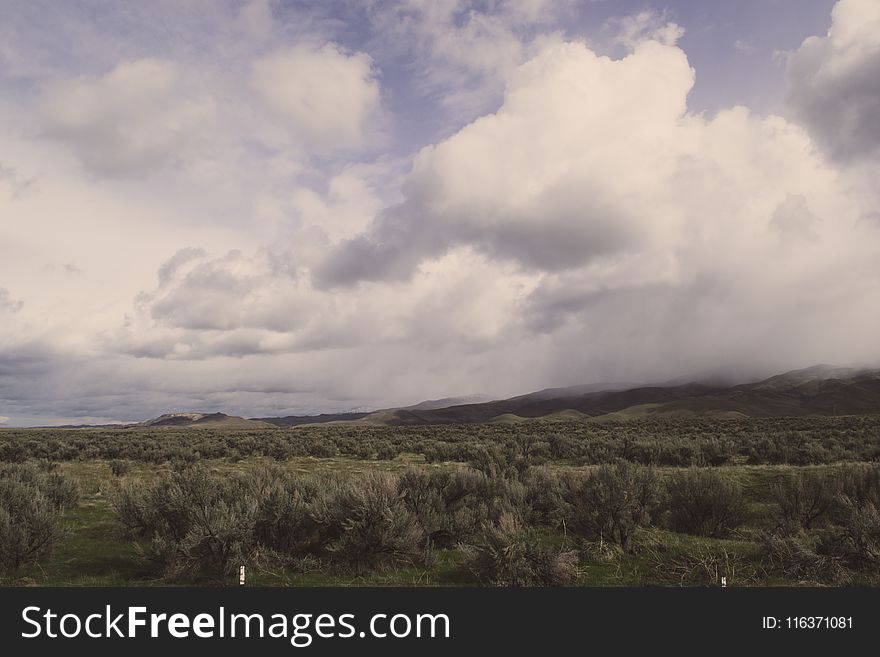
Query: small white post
[723, 579]
[241, 576]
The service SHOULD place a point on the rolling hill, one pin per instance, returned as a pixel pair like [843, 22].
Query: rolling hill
[818, 390]
[204, 421]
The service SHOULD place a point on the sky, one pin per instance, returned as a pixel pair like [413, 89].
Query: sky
[274, 207]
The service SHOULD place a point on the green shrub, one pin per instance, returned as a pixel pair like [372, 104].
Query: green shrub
[704, 502]
[367, 525]
[509, 554]
[613, 501]
[860, 485]
[285, 520]
[794, 556]
[386, 451]
[855, 518]
[120, 467]
[32, 500]
[856, 537]
[63, 493]
[197, 522]
[804, 499]
[501, 461]
[548, 497]
[29, 526]
[449, 506]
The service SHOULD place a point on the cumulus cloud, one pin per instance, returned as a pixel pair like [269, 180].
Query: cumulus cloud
[133, 119]
[835, 81]
[241, 305]
[545, 181]
[641, 226]
[325, 96]
[591, 159]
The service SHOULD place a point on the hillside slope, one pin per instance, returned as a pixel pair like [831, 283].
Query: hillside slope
[818, 390]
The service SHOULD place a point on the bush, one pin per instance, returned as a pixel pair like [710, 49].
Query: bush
[386, 451]
[548, 496]
[705, 565]
[197, 522]
[63, 493]
[497, 461]
[793, 556]
[705, 503]
[860, 485]
[857, 535]
[855, 516]
[613, 501]
[31, 503]
[452, 506]
[804, 499]
[120, 467]
[510, 555]
[367, 525]
[285, 522]
[29, 528]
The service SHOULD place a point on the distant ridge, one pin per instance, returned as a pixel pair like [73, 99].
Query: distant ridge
[817, 390]
[204, 421]
[301, 420]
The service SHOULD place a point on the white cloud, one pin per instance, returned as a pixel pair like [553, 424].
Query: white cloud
[646, 25]
[638, 225]
[134, 119]
[835, 81]
[325, 96]
[548, 180]
[744, 46]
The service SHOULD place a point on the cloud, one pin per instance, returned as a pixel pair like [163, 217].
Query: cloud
[744, 46]
[545, 180]
[463, 51]
[134, 119]
[3, 419]
[834, 82]
[646, 25]
[17, 185]
[544, 215]
[8, 304]
[325, 96]
[794, 219]
[170, 267]
[649, 239]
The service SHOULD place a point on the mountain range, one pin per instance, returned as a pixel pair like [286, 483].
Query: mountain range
[817, 390]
